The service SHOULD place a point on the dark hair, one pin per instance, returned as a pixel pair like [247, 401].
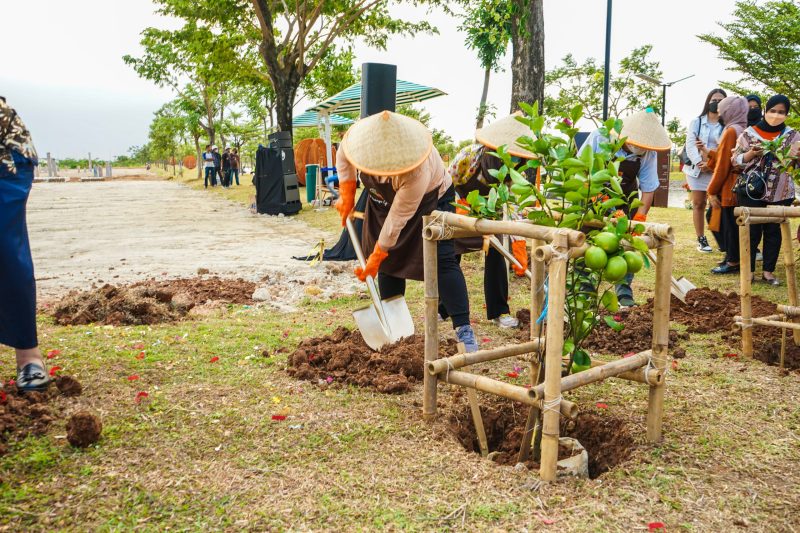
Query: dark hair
[208, 146]
[778, 99]
[708, 99]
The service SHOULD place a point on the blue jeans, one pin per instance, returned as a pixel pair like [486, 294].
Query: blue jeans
[211, 172]
[234, 173]
[329, 182]
[623, 289]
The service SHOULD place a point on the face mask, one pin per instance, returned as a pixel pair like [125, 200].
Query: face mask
[713, 107]
[773, 119]
[635, 150]
[754, 115]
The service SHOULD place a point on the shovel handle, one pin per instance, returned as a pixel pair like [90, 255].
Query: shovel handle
[373, 290]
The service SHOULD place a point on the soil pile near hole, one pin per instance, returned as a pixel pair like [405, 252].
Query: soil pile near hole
[148, 302]
[608, 440]
[767, 346]
[343, 357]
[83, 429]
[29, 414]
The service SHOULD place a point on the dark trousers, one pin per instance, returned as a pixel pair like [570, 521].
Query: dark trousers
[452, 285]
[769, 233]
[495, 286]
[211, 176]
[226, 177]
[17, 282]
[730, 235]
[234, 173]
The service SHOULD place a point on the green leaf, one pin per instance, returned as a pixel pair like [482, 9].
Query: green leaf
[613, 324]
[639, 245]
[609, 301]
[492, 201]
[573, 184]
[568, 348]
[574, 197]
[611, 203]
[622, 226]
[581, 358]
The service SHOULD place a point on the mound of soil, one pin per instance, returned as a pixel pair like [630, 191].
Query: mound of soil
[608, 440]
[344, 357]
[28, 414]
[148, 302]
[83, 429]
[767, 346]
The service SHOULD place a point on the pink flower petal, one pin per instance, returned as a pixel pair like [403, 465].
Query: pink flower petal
[601, 405]
[653, 526]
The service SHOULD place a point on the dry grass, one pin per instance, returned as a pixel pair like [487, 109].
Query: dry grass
[202, 452]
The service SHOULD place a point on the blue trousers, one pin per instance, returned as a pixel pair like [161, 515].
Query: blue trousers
[17, 282]
[211, 173]
[234, 173]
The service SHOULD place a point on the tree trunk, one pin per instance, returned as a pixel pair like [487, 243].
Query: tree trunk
[198, 155]
[527, 61]
[482, 108]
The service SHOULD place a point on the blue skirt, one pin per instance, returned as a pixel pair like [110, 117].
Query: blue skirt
[17, 283]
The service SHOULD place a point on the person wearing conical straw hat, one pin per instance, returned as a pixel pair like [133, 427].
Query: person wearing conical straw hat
[639, 169]
[405, 179]
[470, 172]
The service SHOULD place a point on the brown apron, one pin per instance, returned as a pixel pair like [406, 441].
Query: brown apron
[629, 170]
[405, 257]
[474, 244]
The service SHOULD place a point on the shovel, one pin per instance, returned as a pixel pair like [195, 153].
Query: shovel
[678, 287]
[497, 245]
[383, 321]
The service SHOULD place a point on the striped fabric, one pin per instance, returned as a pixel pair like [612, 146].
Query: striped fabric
[312, 118]
[349, 100]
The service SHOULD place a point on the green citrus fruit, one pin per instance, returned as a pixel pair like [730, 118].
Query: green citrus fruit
[595, 258]
[607, 241]
[634, 260]
[580, 368]
[615, 269]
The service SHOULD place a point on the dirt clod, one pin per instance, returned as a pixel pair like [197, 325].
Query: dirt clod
[69, 386]
[344, 357]
[83, 429]
[148, 302]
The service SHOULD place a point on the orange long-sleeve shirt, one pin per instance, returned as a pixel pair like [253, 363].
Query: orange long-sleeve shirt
[724, 172]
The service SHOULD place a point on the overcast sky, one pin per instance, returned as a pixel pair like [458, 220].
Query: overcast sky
[64, 74]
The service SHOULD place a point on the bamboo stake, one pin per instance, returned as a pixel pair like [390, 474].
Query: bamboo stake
[594, 374]
[461, 360]
[778, 211]
[791, 280]
[648, 376]
[437, 231]
[500, 227]
[553, 346]
[537, 302]
[783, 347]
[661, 302]
[760, 220]
[789, 310]
[544, 253]
[493, 386]
[430, 268]
[477, 420]
[739, 320]
[745, 287]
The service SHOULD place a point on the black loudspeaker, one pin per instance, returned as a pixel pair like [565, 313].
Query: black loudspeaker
[281, 142]
[276, 190]
[378, 88]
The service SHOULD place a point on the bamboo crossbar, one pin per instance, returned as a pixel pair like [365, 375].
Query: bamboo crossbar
[789, 310]
[760, 220]
[461, 360]
[648, 376]
[436, 231]
[599, 373]
[505, 227]
[767, 322]
[545, 253]
[777, 211]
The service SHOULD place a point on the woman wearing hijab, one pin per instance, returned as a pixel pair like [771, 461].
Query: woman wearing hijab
[754, 114]
[704, 132]
[405, 179]
[733, 112]
[17, 283]
[750, 157]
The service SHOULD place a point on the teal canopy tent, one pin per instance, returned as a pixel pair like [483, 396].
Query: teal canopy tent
[313, 119]
[349, 100]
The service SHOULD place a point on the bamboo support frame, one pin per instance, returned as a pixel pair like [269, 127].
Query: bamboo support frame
[760, 220]
[461, 360]
[745, 289]
[791, 280]
[789, 310]
[660, 346]
[766, 322]
[780, 211]
[429, 250]
[477, 420]
[648, 376]
[504, 227]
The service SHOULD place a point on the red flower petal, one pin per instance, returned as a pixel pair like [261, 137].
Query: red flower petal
[138, 346]
[512, 374]
[140, 355]
[12, 382]
[140, 395]
[731, 355]
[674, 364]
[279, 417]
[601, 405]
[2, 396]
[652, 526]
[214, 359]
[54, 369]
[53, 353]
[133, 377]
[617, 317]
[486, 339]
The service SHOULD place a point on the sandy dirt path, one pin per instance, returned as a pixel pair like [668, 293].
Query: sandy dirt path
[117, 232]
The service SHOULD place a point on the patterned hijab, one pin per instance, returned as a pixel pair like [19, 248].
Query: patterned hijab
[14, 136]
[733, 111]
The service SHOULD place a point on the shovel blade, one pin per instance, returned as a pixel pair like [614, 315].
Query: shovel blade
[399, 323]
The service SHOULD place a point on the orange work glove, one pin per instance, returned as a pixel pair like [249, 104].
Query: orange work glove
[639, 217]
[520, 250]
[347, 199]
[373, 264]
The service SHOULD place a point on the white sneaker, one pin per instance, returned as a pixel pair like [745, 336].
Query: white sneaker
[506, 321]
[702, 245]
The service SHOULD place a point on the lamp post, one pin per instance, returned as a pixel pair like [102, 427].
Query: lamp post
[606, 77]
[663, 85]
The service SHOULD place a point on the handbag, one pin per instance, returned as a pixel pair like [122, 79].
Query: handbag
[753, 184]
[683, 157]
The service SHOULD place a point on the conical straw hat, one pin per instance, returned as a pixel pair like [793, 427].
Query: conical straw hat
[505, 131]
[387, 144]
[644, 129]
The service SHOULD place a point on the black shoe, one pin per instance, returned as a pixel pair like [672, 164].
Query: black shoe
[32, 377]
[774, 281]
[626, 301]
[725, 269]
[702, 245]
